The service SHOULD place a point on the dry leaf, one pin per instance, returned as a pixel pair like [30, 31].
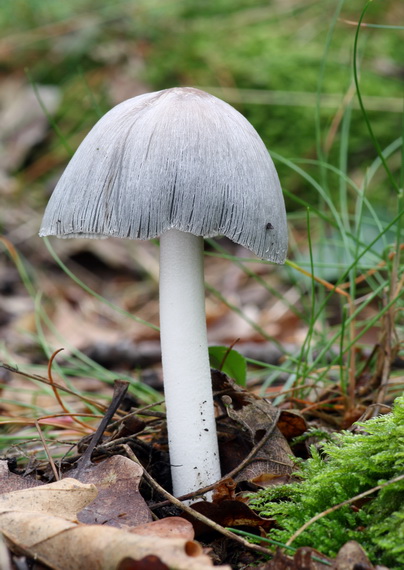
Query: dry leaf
[253, 417]
[29, 521]
[63, 498]
[119, 502]
[12, 482]
[224, 491]
[5, 560]
[170, 527]
[291, 424]
[65, 546]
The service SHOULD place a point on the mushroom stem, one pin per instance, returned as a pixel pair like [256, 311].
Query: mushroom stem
[194, 455]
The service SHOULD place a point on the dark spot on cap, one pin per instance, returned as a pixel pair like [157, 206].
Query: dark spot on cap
[269, 226]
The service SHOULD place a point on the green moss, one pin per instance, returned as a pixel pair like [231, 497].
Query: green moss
[349, 465]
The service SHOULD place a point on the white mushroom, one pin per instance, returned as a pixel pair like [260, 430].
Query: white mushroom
[181, 165]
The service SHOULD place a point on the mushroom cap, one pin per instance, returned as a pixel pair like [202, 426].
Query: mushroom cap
[174, 159]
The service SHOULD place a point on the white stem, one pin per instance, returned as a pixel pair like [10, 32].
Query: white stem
[194, 455]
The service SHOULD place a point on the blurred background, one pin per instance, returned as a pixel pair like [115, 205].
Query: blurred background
[287, 65]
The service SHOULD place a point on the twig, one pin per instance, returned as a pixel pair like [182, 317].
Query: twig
[189, 510]
[336, 507]
[120, 389]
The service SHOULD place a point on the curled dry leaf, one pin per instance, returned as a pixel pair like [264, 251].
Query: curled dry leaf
[291, 424]
[40, 523]
[225, 491]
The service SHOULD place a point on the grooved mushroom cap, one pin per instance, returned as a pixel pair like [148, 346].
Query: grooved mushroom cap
[174, 159]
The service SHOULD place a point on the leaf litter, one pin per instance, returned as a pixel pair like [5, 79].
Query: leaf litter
[104, 491]
[107, 488]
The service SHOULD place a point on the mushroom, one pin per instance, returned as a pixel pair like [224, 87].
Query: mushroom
[179, 164]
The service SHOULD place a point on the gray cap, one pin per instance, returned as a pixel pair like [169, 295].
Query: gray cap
[174, 159]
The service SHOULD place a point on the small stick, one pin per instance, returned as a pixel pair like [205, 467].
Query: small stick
[120, 389]
[189, 510]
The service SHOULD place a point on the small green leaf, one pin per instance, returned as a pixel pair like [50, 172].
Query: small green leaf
[230, 362]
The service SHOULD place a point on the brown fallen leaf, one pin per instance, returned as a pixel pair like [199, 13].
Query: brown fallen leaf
[225, 491]
[40, 523]
[118, 502]
[12, 482]
[170, 527]
[291, 424]
[63, 498]
[251, 418]
[67, 546]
